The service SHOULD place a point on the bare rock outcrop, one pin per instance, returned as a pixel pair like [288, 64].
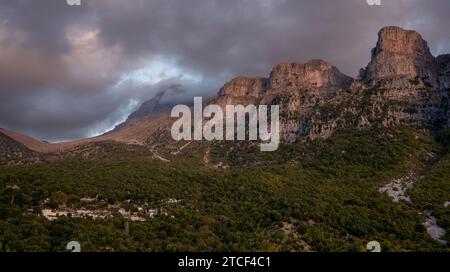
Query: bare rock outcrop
[316, 74]
[245, 86]
[298, 88]
[242, 91]
[401, 52]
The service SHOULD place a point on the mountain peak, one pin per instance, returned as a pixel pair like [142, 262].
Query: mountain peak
[400, 52]
[160, 103]
[315, 73]
[244, 86]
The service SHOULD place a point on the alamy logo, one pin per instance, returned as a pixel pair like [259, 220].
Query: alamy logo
[373, 2]
[235, 123]
[73, 2]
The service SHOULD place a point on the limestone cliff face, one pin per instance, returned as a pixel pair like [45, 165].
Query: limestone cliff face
[401, 52]
[403, 85]
[242, 91]
[317, 74]
[408, 81]
[297, 87]
[245, 86]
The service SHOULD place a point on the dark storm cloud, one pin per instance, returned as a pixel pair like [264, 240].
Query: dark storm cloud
[241, 37]
[69, 72]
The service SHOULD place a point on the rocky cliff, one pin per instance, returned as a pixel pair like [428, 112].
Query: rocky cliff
[401, 52]
[297, 87]
[404, 84]
[317, 74]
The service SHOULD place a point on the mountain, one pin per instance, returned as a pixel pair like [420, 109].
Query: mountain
[27, 141]
[401, 52]
[403, 85]
[362, 159]
[162, 102]
[10, 149]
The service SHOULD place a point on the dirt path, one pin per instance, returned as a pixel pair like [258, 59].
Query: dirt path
[206, 156]
[156, 155]
[181, 148]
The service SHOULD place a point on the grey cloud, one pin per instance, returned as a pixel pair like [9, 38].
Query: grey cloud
[244, 37]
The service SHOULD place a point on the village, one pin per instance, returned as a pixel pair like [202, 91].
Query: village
[95, 208]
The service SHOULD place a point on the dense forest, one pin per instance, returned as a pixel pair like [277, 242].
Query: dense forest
[307, 196]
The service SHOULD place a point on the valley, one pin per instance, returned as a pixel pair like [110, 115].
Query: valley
[360, 159]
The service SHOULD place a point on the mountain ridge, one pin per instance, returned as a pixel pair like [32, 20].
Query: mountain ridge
[403, 84]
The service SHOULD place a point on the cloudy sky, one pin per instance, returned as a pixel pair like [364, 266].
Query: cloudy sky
[71, 72]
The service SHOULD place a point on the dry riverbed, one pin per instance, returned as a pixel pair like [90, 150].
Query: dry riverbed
[397, 190]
